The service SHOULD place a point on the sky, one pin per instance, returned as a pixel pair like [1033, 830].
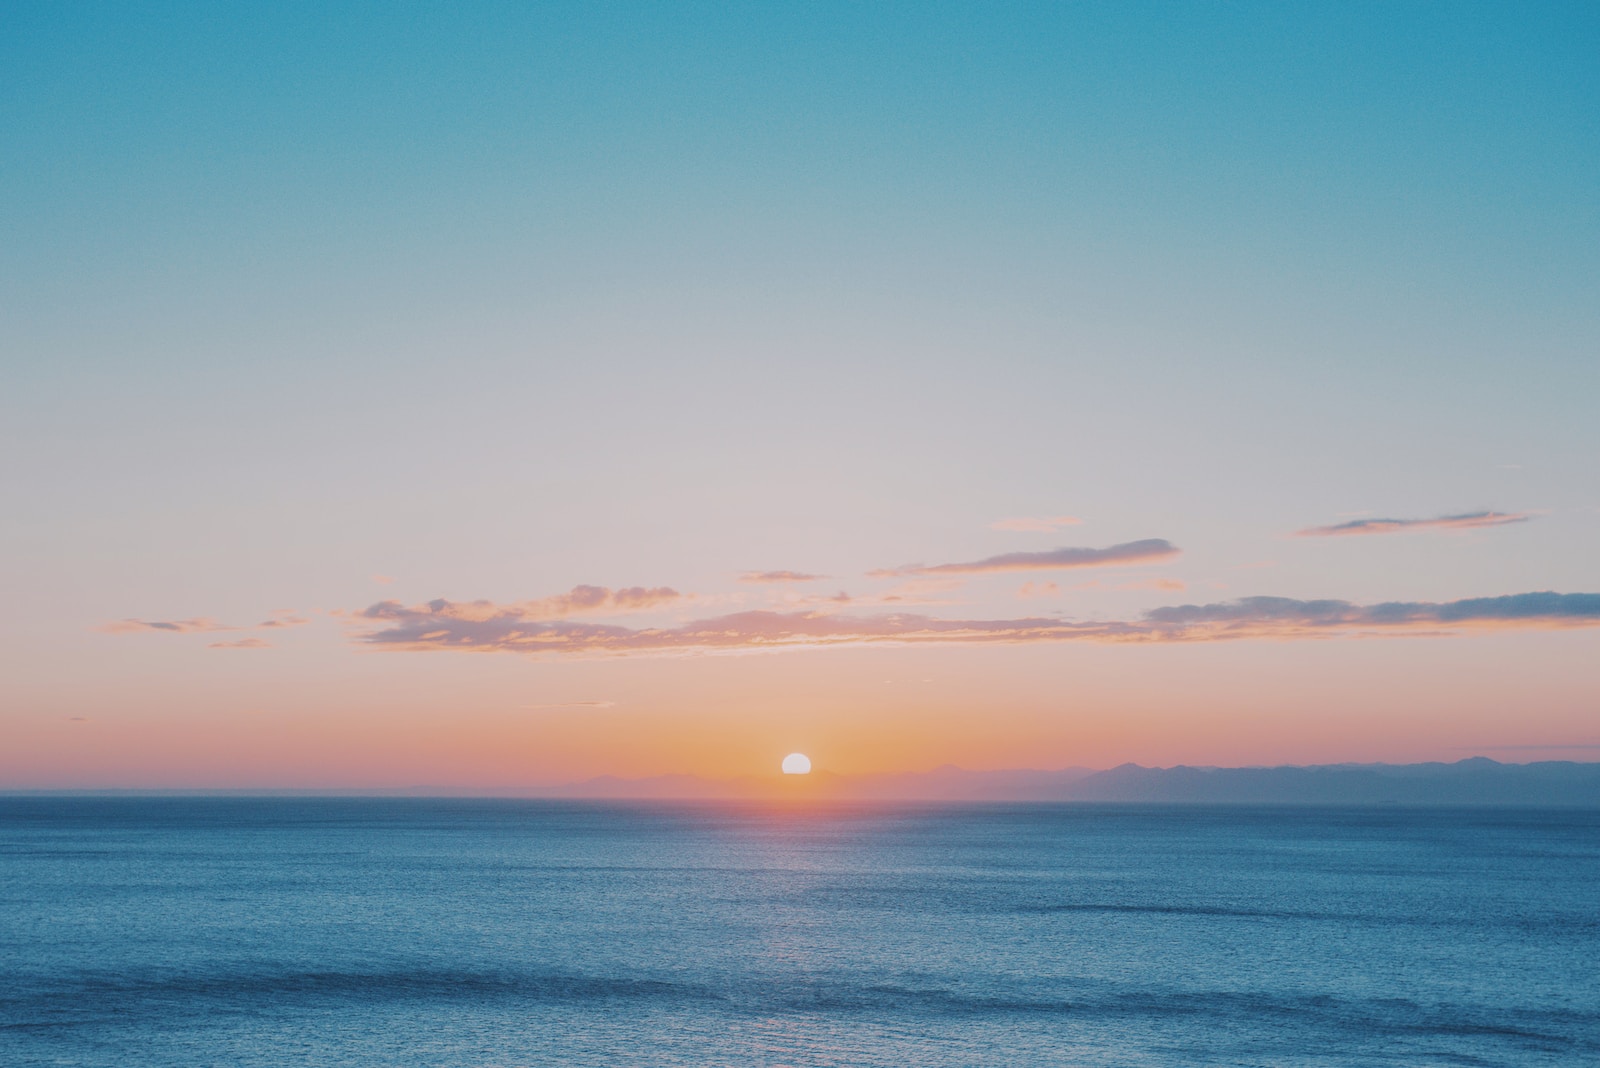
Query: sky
[493, 397]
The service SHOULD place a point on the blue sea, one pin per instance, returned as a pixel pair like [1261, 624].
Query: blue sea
[356, 932]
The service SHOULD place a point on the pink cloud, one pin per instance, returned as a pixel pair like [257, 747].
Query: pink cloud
[639, 598]
[779, 576]
[166, 626]
[1467, 521]
[1132, 552]
[1038, 589]
[578, 601]
[738, 631]
[437, 626]
[278, 620]
[242, 643]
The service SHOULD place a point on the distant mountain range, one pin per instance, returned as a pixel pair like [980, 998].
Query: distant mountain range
[1476, 781]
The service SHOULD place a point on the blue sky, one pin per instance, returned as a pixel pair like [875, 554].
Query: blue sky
[502, 301]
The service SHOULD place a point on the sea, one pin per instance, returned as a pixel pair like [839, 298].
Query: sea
[418, 932]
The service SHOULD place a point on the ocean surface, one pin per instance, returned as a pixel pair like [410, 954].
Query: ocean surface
[203, 931]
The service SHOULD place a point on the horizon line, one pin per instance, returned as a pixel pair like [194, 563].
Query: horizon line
[543, 791]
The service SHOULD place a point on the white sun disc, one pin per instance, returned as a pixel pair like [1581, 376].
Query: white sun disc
[796, 764]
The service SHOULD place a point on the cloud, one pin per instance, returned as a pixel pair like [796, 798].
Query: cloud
[1035, 524]
[1038, 589]
[1466, 521]
[779, 576]
[279, 619]
[166, 626]
[579, 601]
[437, 626]
[1286, 617]
[427, 630]
[637, 598]
[1132, 552]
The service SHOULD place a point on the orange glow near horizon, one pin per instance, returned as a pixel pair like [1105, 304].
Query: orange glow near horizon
[397, 722]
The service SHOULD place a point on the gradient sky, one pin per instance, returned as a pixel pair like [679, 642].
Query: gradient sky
[489, 397]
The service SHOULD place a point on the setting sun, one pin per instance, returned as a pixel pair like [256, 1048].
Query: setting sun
[797, 764]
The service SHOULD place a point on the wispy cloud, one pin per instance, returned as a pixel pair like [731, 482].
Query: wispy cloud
[436, 627]
[1286, 617]
[738, 631]
[779, 576]
[1026, 524]
[278, 620]
[200, 625]
[1132, 552]
[1465, 521]
[632, 599]
[578, 601]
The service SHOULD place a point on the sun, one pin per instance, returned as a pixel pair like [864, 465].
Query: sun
[797, 764]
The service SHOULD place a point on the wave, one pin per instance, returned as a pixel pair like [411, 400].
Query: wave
[101, 1002]
[1199, 910]
[85, 998]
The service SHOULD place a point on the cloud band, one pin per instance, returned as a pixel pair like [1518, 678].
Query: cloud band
[436, 626]
[1466, 521]
[1132, 552]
